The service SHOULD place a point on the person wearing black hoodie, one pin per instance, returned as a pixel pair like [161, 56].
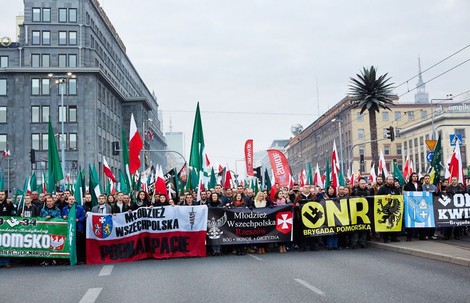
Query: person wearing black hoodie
[389, 189]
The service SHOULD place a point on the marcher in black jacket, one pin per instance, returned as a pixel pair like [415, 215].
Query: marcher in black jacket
[389, 189]
[414, 185]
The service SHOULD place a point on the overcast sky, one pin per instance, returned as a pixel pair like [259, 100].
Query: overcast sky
[246, 60]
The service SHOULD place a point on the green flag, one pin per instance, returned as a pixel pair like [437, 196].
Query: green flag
[78, 189]
[435, 173]
[213, 179]
[267, 181]
[33, 183]
[2, 180]
[341, 180]
[54, 168]
[71, 227]
[397, 174]
[123, 183]
[94, 185]
[125, 161]
[327, 175]
[309, 174]
[197, 155]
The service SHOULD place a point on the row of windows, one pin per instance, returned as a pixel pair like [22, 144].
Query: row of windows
[44, 37]
[386, 115]
[40, 114]
[64, 15]
[44, 60]
[40, 141]
[42, 86]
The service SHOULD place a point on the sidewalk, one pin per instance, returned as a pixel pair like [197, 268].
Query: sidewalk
[451, 251]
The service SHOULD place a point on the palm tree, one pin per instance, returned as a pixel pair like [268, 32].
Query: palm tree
[371, 93]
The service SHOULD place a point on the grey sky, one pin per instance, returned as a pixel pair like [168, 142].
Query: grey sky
[266, 56]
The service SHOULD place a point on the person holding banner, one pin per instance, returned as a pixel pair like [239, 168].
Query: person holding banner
[299, 240]
[119, 205]
[80, 227]
[359, 238]
[414, 185]
[102, 207]
[279, 200]
[50, 210]
[456, 188]
[143, 200]
[29, 209]
[215, 201]
[238, 202]
[6, 209]
[389, 189]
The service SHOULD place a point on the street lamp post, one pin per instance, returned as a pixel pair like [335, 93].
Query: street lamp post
[340, 143]
[449, 97]
[61, 80]
[143, 139]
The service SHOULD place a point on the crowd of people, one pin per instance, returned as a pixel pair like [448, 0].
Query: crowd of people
[58, 206]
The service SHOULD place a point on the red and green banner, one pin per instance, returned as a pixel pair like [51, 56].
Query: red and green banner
[34, 238]
[153, 232]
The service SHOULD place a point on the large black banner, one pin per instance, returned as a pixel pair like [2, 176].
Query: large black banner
[228, 226]
[452, 210]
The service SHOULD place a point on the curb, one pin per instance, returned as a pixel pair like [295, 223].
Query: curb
[422, 253]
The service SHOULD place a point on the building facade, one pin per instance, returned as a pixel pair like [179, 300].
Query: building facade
[413, 124]
[61, 37]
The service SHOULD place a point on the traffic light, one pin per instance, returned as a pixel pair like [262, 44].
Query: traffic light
[390, 133]
[32, 155]
[361, 158]
[115, 145]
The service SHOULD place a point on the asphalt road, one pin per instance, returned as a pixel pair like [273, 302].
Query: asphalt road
[370, 275]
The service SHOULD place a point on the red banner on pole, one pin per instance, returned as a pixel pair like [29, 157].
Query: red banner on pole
[280, 167]
[249, 157]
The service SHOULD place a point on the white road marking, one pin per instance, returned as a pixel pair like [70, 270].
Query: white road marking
[106, 270]
[255, 257]
[91, 295]
[311, 287]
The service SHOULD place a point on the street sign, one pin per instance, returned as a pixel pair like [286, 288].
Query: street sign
[429, 156]
[454, 138]
[431, 144]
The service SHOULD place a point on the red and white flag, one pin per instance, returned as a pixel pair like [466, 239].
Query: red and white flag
[227, 179]
[455, 164]
[6, 153]
[407, 168]
[302, 178]
[135, 147]
[334, 167]
[107, 171]
[317, 178]
[280, 166]
[160, 185]
[383, 165]
[372, 175]
[249, 157]
[150, 135]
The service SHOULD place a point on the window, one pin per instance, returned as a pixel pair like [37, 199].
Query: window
[360, 117]
[46, 15]
[46, 58]
[384, 116]
[45, 113]
[72, 15]
[72, 141]
[36, 14]
[35, 141]
[45, 86]
[72, 60]
[72, 38]
[398, 149]
[3, 114]
[460, 131]
[360, 133]
[36, 37]
[44, 139]
[62, 15]
[3, 87]
[3, 61]
[35, 114]
[62, 114]
[46, 37]
[386, 150]
[40, 86]
[35, 60]
[62, 38]
[411, 115]
[73, 113]
[397, 116]
[424, 115]
[72, 89]
[3, 142]
[62, 60]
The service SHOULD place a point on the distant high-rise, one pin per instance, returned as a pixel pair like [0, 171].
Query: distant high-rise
[421, 95]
